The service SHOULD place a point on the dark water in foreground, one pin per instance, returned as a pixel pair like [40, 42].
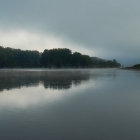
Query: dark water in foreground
[98, 104]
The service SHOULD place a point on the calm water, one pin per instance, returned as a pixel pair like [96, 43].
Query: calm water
[98, 104]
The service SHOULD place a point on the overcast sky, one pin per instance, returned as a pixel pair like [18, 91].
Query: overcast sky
[108, 29]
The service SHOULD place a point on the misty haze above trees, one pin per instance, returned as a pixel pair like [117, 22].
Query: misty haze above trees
[53, 58]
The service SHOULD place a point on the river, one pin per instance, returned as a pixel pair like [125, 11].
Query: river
[69, 104]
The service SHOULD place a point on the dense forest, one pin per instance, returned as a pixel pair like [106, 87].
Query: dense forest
[53, 58]
[16, 58]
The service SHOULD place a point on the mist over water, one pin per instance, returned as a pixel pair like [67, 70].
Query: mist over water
[81, 104]
[55, 79]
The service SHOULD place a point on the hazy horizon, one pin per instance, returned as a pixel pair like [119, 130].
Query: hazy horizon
[105, 29]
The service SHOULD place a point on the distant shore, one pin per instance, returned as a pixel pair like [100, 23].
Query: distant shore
[135, 67]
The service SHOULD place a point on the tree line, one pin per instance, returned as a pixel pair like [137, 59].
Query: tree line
[102, 63]
[53, 58]
[16, 58]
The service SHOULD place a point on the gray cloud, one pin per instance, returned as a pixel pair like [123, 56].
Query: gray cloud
[110, 28]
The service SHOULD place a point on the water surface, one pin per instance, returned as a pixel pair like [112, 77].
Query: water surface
[83, 104]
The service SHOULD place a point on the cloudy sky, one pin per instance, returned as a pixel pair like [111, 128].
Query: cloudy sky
[108, 29]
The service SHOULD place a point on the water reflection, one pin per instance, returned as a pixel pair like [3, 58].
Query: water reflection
[22, 88]
[50, 79]
[98, 104]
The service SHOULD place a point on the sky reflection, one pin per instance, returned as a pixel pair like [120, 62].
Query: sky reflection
[20, 89]
[23, 88]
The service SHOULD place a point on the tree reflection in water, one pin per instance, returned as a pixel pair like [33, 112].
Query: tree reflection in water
[54, 79]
